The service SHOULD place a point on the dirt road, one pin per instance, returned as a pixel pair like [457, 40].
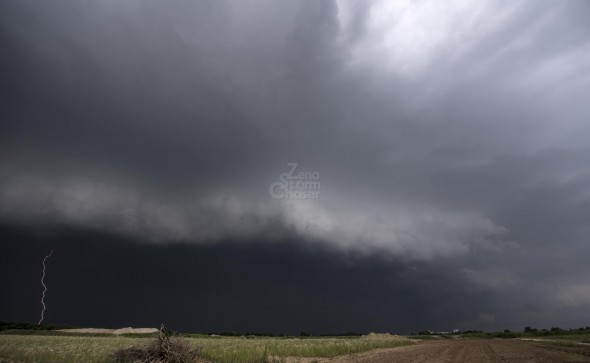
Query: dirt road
[464, 350]
[468, 350]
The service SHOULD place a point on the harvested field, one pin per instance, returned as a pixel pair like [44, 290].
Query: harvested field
[469, 350]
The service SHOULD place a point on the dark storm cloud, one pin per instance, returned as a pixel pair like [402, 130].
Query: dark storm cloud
[100, 280]
[451, 135]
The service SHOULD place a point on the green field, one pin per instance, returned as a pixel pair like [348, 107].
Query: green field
[62, 348]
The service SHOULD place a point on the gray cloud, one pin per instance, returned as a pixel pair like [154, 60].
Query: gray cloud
[452, 133]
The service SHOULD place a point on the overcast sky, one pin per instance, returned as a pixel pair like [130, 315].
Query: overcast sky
[442, 148]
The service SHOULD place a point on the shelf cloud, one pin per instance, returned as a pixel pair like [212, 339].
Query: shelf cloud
[452, 134]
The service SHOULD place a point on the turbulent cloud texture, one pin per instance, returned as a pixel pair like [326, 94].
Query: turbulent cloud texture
[449, 132]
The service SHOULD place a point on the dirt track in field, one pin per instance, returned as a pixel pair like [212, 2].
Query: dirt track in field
[467, 350]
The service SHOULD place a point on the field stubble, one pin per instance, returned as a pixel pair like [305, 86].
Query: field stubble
[93, 349]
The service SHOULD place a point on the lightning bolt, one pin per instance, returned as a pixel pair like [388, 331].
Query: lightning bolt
[44, 288]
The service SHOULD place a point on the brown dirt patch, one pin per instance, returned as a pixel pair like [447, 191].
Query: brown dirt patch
[461, 350]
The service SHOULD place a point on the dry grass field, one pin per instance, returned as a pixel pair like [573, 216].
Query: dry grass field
[28, 346]
[60, 348]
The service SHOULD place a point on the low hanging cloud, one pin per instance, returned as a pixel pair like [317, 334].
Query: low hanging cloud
[85, 203]
[440, 132]
[446, 143]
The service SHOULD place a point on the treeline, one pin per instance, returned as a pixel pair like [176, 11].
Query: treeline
[527, 332]
[26, 326]
[302, 334]
[555, 331]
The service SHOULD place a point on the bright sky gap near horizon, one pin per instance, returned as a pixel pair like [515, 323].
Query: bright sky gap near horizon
[442, 145]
